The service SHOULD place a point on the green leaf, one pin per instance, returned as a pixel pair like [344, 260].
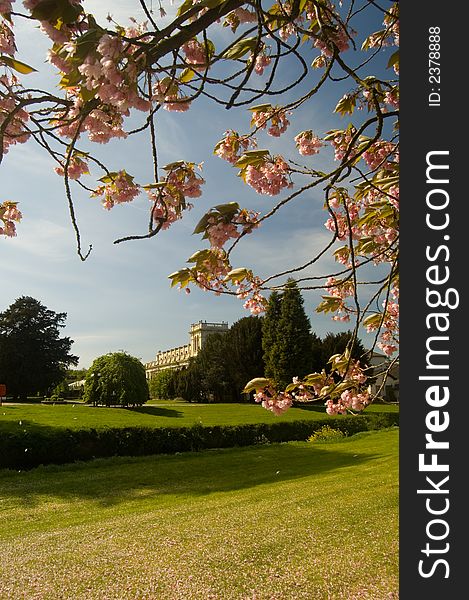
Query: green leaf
[188, 4]
[230, 208]
[329, 304]
[313, 378]
[17, 65]
[240, 48]
[366, 248]
[393, 59]
[346, 105]
[87, 94]
[202, 224]
[256, 384]
[182, 277]
[109, 178]
[200, 255]
[260, 107]
[87, 42]
[185, 6]
[374, 319]
[186, 76]
[253, 157]
[174, 165]
[53, 10]
[237, 274]
[70, 79]
[154, 186]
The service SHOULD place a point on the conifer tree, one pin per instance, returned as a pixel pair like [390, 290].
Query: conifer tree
[269, 334]
[286, 336]
[293, 337]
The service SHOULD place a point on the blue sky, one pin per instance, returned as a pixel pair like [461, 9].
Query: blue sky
[120, 298]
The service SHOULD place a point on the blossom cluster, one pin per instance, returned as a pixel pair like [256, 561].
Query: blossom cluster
[76, 167]
[232, 146]
[210, 273]
[320, 385]
[270, 399]
[117, 189]
[13, 117]
[274, 116]
[169, 197]
[348, 400]
[308, 143]
[196, 55]
[167, 93]
[7, 39]
[9, 215]
[270, 177]
[262, 61]
[249, 291]
[388, 323]
[219, 231]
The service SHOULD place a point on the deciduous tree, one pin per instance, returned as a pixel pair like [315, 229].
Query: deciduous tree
[116, 379]
[33, 356]
[278, 58]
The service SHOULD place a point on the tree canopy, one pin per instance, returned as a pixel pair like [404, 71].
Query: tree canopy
[287, 337]
[116, 379]
[33, 356]
[273, 59]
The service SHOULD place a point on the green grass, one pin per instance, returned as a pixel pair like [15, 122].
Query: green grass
[285, 521]
[163, 414]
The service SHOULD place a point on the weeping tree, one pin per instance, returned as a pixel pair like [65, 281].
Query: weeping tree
[116, 379]
[275, 59]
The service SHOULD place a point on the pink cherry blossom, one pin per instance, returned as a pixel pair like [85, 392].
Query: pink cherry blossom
[119, 189]
[337, 38]
[277, 118]
[9, 214]
[378, 154]
[195, 55]
[76, 168]
[277, 402]
[308, 143]
[245, 16]
[5, 7]
[7, 40]
[15, 130]
[341, 142]
[232, 146]
[268, 178]
[262, 61]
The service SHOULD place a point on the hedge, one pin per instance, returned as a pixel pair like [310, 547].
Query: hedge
[29, 449]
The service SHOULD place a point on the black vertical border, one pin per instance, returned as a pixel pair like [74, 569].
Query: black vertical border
[426, 128]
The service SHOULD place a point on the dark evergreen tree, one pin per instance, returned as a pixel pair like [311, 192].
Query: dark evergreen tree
[244, 358]
[270, 334]
[293, 337]
[212, 362]
[187, 383]
[317, 355]
[33, 356]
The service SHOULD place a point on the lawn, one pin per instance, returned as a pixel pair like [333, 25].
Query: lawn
[287, 521]
[163, 414]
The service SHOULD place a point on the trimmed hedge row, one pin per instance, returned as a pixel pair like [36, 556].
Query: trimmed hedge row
[30, 449]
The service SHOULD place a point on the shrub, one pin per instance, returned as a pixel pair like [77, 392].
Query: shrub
[326, 434]
[31, 448]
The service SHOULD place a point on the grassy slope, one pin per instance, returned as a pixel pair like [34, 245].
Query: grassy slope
[167, 414]
[290, 521]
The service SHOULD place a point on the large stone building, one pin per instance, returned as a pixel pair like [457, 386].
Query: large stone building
[179, 357]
